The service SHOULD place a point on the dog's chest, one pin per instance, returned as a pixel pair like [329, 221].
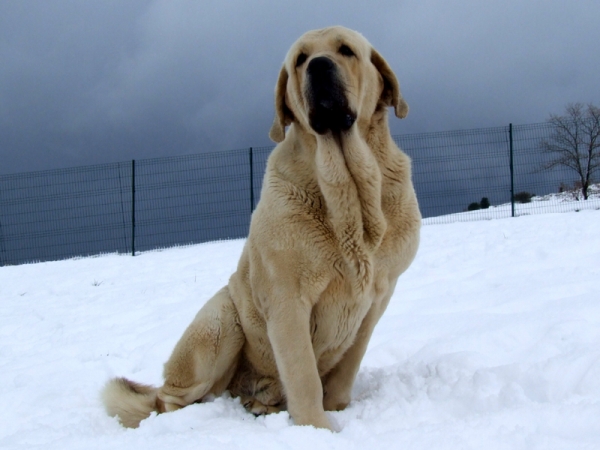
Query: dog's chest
[336, 319]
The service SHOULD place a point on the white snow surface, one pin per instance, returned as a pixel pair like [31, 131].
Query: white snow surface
[567, 201]
[491, 340]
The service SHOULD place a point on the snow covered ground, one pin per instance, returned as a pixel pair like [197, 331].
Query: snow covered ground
[491, 341]
[551, 203]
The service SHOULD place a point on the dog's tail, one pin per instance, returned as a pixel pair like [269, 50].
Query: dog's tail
[131, 402]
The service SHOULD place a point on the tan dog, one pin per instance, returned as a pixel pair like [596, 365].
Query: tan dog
[337, 223]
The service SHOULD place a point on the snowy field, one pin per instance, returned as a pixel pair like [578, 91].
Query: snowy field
[491, 341]
[569, 201]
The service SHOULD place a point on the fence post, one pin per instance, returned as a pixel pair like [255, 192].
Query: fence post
[251, 183]
[133, 207]
[512, 171]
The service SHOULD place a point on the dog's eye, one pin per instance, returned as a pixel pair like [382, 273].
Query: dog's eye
[346, 51]
[301, 59]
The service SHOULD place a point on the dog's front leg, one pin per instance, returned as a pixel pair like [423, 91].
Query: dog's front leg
[288, 328]
[338, 383]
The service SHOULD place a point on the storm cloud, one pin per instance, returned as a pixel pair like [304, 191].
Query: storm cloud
[91, 82]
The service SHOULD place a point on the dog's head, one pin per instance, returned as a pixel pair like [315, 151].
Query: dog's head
[330, 79]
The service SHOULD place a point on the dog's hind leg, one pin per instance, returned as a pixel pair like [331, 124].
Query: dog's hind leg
[205, 358]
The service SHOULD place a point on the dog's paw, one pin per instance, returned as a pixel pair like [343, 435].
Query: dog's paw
[257, 408]
[335, 402]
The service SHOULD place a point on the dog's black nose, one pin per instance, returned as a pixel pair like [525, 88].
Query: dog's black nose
[320, 64]
[328, 104]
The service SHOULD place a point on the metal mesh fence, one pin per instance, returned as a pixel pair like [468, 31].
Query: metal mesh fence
[453, 169]
[189, 199]
[62, 213]
[544, 185]
[155, 203]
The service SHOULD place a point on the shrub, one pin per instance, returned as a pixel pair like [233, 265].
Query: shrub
[473, 206]
[523, 197]
[484, 203]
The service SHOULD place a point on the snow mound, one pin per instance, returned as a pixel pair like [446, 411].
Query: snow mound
[491, 340]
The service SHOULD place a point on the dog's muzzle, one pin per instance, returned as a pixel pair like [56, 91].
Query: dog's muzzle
[326, 95]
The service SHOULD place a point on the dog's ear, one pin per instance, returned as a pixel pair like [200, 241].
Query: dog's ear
[283, 115]
[390, 95]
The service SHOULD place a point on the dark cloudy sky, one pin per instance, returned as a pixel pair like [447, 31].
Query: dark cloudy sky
[85, 82]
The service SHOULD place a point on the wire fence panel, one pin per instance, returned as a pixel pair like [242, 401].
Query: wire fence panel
[538, 187]
[63, 213]
[190, 199]
[162, 202]
[454, 169]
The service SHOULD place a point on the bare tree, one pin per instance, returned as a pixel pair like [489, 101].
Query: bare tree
[575, 142]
